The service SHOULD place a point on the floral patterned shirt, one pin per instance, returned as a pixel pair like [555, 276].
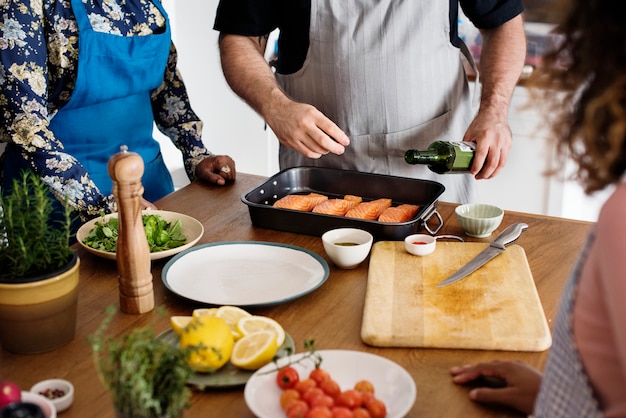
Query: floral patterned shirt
[38, 67]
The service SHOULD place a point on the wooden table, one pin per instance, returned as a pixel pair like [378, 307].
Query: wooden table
[331, 315]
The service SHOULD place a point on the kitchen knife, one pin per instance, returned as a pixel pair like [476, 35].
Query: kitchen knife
[506, 237]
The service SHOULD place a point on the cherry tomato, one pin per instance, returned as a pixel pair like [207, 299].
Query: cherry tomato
[311, 393]
[287, 397]
[376, 408]
[366, 397]
[320, 412]
[350, 398]
[330, 387]
[342, 412]
[287, 377]
[319, 375]
[297, 409]
[361, 413]
[303, 385]
[322, 400]
[364, 386]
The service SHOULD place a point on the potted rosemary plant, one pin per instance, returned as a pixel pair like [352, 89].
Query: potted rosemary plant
[146, 376]
[39, 275]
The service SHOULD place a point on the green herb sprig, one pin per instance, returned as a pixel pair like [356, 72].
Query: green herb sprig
[146, 376]
[31, 243]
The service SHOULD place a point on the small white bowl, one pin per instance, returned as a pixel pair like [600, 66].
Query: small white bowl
[347, 247]
[49, 411]
[60, 403]
[420, 244]
[479, 220]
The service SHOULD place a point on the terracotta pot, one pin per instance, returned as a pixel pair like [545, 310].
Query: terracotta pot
[39, 316]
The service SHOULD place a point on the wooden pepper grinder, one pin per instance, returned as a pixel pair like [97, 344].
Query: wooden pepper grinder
[133, 253]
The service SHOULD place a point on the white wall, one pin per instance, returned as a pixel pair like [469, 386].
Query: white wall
[230, 126]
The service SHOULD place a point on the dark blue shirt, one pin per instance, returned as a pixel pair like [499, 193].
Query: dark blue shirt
[292, 18]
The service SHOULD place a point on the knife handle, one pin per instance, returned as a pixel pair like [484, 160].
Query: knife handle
[509, 235]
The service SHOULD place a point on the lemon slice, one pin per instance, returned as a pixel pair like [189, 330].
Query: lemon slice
[211, 340]
[250, 324]
[204, 312]
[232, 315]
[255, 350]
[179, 323]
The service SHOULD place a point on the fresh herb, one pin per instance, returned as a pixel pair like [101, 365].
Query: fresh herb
[32, 243]
[146, 375]
[161, 234]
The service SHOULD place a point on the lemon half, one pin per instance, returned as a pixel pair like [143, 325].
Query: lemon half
[255, 350]
[179, 323]
[232, 315]
[250, 324]
[204, 311]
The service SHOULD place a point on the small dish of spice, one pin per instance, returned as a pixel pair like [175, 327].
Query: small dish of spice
[58, 391]
[420, 244]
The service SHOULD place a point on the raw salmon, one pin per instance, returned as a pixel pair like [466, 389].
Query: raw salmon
[369, 210]
[337, 207]
[300, 201]
[352, 198]
[401, 213]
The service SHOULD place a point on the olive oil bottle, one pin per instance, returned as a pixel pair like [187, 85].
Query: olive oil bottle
[444, 157]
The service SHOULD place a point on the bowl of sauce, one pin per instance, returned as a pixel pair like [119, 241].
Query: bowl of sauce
[347, 247]
[420, 244]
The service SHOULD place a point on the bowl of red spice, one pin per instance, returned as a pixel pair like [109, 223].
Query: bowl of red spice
[420, 244]
[58, 391]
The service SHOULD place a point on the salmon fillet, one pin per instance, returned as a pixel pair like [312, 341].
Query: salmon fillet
[301, 202]
[401, 213]
[337, 207]
[352, 198]
[369, 210]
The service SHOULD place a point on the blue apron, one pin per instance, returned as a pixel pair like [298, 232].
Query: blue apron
[110, 105]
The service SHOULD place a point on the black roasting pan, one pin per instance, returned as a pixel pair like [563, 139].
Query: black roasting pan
[336, 183]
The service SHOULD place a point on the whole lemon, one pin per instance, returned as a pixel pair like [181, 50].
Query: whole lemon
[211, 341]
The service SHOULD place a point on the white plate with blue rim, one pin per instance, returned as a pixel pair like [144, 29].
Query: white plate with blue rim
[244, 273]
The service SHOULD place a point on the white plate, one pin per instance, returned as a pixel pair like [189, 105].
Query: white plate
[392, 384]
[228, 376]
[192, 229]
[247, 273]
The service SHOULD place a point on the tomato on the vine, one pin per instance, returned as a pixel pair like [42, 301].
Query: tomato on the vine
[364, 386]
[319, 375]
[287, 397]
[330, 387]
[287, 377]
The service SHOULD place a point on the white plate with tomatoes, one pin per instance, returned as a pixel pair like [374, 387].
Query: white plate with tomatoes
[391, 383]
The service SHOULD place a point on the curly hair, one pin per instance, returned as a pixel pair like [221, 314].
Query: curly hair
[588, 70]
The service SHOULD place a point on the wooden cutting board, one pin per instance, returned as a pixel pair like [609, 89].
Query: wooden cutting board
[495, 308]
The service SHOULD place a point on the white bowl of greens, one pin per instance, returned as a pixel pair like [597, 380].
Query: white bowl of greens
[168, 233]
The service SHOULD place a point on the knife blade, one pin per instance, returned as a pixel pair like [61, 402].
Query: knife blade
[497, 246]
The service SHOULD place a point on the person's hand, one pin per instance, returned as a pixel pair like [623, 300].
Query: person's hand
[217, 169]
[147, 205]
[305, 129]
[492, 134]
[521, 383]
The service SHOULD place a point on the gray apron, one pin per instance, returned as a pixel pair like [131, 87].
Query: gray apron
[565, 389]
[386, 73]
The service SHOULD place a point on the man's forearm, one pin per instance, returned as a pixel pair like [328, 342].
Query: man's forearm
[247, 72]
[501, 62]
